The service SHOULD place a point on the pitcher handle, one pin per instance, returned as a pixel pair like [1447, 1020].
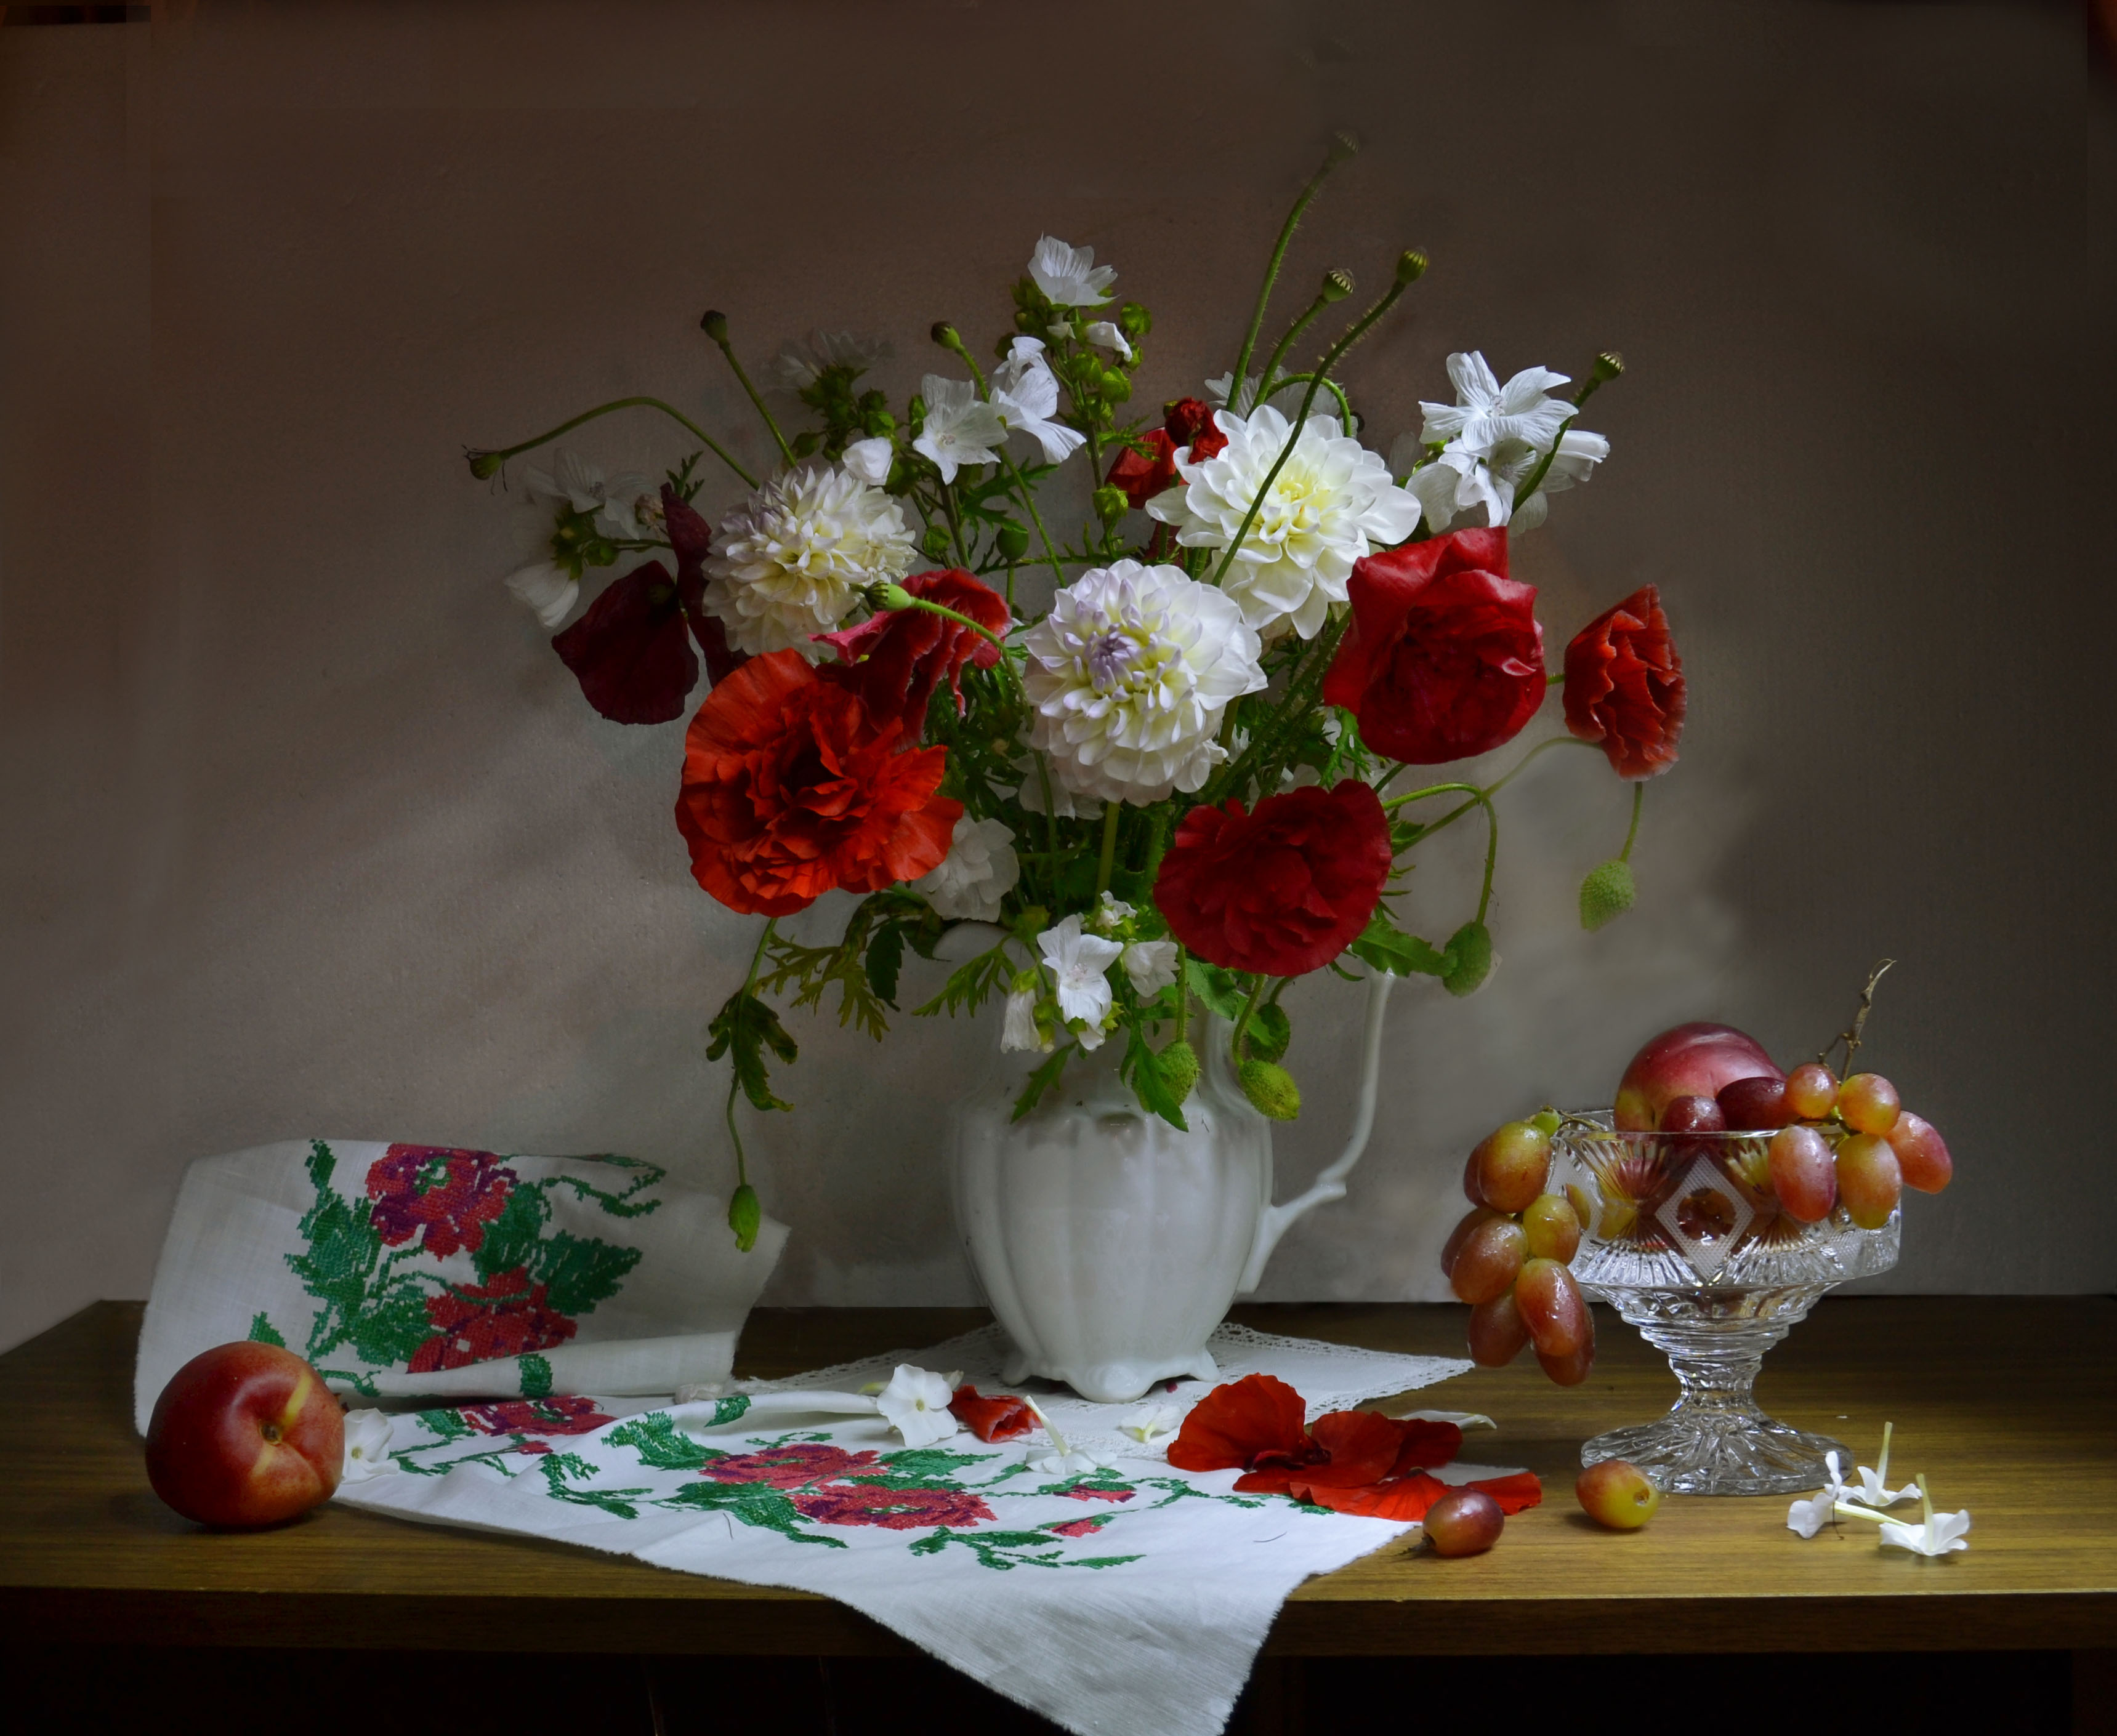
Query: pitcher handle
[1275, 1221]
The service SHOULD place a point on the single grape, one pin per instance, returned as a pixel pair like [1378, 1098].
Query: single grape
[1513, 1163]
[1755, 1105]
[1583, 1204]
[1922, 1153]
[1465, 1521]
[1552, 1228]
[1551, 1304]
[1867, 1103]
[1450, 1248]
[1802, 1174]
[1811, 1091]
[1568, 1370]
[1869, 1179]
[1692, 1115]
[1489, 1261]
[1497, 1331]
[1617, 1495]
[1470, 1178]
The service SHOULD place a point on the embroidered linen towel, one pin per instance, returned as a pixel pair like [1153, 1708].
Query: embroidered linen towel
[415, 1271]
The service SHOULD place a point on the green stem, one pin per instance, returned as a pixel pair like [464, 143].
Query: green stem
[1182, 994]
[1638, 800]
[1536, 476]
[1344, 404]
[1242, 1024]
[1112, 812]
[943, 608]
[955, 524]
[1036, 518]
[711, 445]
[1472, 790]
[1265, 384]
[749, 988]
[727, 349]
[1315, 185]
[1492, 856]
[1050, 815]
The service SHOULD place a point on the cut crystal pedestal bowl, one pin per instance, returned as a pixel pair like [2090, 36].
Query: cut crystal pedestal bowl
[1683, 1237]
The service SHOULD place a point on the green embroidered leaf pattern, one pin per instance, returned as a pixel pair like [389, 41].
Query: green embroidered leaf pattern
[262, 1331]
[581, 1272]
[661, 1444]
[343, 1253]
[1004, 1551]
[753, 1503]
[559, 1467]
[916, 1467]
[510, 1239]
[536, 1376]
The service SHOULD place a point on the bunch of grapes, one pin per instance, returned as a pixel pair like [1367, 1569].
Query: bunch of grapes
[1853, 1141]
[1509, 1257]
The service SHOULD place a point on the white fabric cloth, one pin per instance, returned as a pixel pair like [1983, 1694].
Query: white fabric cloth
[418, 1271]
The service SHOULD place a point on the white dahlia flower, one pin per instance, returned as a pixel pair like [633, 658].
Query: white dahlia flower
[1330, 503]
[791, 561]
[1129, 674]
[979, 871]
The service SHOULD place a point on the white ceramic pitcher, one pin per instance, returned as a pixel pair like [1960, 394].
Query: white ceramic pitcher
[1109, 1243]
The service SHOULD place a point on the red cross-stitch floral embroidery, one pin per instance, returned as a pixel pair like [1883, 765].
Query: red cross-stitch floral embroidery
[557, 1415]
[791, 1467]
[1088, 1492]
[462, 1191]
[894, 1509]
[474, 1322]
[1086, 1527]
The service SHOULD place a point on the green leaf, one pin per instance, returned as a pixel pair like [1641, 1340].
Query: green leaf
[1384, 947]
[580, 1271]
[262, 1331]
[743, 1028]
[1157, 1094]
[1040, 1082]
[885, 958]
[970, 984]
[1220, 990]
[1270, 1033]
[1470, 949]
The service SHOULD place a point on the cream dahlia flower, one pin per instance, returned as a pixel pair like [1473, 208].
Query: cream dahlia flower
[1330, 503]
[1129, 674]
[791, 561]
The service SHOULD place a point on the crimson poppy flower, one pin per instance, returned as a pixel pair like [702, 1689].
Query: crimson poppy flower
[894, 660]
[791, 791]
[1624, 685]
[1140, 476]
[1445, 657]
[1282, 890]
[999, 1417]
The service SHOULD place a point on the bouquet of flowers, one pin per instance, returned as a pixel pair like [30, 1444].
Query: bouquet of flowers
[1145, 757]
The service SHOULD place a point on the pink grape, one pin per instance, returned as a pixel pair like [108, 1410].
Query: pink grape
[1692, 1115]
[1450, 1248]
[1513, 1163]
[1869, 1179]
[1497, 1331]
[1617, 1495]
[1489, 1261]
[1552, 1228]
[1551, 1304]
[1868, 1103]
[1802, 1174]
[1755, 1105]
[1465, 1521]
[1922, 1153]
[1568, 1370]
[1811, 1091]
[1470, 1178]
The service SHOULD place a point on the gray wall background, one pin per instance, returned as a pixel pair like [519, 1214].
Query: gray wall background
[307, 832]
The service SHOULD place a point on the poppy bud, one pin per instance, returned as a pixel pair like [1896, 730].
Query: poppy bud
[1180, 1068]
[1410, 266]
[484, 464]
[745, 1216]
[1270, 1087]
[1471, 947]
[1012, 538]
[713, 324]
[1337, 285]
[1608, 366]
[946, 335]
[1606, 894]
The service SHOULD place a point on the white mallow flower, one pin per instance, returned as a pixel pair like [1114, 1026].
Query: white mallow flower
[959, 427]
[1459, 481]
[547, 590]
[916, 1403]
[613, 502]
[1105, 334]
[1077, 962]
[367, 1434]
[1025, 391]
[1331, 502]
[802, 364]
[1939, 1535]
[1485, 413]
[1070, 276]
[1218, 392]
[1129, 674]
[1150, 1422]
[1151, 965]
[1018, 1030]
[791, 561]
[870, 460]
[1809, 1517]
[1111, 913]
[979, 871]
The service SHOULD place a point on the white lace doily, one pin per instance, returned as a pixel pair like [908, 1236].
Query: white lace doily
[1331, 1377]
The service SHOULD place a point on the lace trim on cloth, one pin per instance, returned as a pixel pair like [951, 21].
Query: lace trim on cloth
[1331, 1377]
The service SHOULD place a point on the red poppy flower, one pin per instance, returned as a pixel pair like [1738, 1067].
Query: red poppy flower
[1282, 890]
[1624, 685]
[790, 791]
[691, 539]
[1444, 658]
[1186, 422]
[1000, 1417]
[475, 1323]
[896, 659]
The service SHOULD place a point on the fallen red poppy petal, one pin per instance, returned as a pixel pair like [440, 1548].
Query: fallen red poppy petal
[1000, 1417]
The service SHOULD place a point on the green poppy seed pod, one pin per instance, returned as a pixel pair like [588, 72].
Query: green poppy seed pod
[1337, 285]
[947, 336]
[713, 324]
[1471, 947]
[1606, 893]
[1012, 538]
[1410, 266]
[1343, 145]
[745, 1216]
[1111, 504]
[892, 598]
[1270, 1087]
[1608, 366]
[1180, 1068]
[483, 465]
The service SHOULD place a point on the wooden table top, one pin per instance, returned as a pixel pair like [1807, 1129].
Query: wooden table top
[2008, 1404]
